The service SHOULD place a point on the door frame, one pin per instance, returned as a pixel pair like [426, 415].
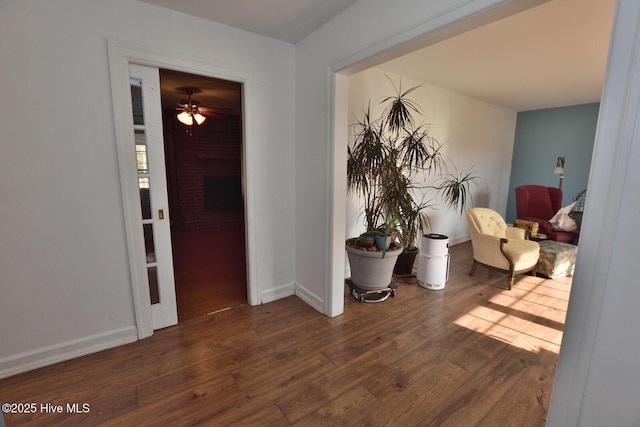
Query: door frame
[122, 54]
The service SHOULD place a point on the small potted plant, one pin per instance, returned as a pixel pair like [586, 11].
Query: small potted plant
[367, 239]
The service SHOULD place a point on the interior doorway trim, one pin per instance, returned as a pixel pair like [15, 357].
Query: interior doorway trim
[121, 54]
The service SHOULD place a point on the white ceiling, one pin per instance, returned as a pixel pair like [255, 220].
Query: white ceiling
[286, 20]
[551, 55]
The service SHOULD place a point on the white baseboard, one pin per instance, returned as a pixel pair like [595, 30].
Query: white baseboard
[294, 289]
[278, 293]
[310, 298]
[459, 239]
[45, 356]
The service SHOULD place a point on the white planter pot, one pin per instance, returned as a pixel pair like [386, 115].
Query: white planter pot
[369, 270]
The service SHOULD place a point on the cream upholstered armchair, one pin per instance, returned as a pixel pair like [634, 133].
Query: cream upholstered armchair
[499, 247]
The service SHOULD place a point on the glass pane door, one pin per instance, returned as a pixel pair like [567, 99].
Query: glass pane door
[152, 187]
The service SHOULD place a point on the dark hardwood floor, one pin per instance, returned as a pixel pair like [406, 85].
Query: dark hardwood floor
[209, 269]
[472, 354]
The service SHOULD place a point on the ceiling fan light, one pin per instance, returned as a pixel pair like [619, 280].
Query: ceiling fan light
[199, 118]
[185, 118]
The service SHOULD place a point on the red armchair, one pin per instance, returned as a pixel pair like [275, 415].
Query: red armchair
[538, 203]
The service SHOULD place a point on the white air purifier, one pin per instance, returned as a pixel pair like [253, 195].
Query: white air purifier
[433, 262]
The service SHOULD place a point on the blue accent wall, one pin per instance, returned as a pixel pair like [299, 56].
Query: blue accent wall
[544, 135]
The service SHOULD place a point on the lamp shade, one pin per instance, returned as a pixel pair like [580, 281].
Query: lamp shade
[185, 118]
[559, 170]
[199, 118]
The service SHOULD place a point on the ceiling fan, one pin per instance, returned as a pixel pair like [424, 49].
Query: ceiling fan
[189, 111]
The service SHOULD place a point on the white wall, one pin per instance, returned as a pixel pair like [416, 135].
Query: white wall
[64, 269]
[477, 137]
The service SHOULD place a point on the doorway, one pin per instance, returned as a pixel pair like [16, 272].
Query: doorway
[204, 170]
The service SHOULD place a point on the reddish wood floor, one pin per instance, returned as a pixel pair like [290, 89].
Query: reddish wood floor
[209, 269]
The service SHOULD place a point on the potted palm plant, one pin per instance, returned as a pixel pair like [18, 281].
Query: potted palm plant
[385, 158]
